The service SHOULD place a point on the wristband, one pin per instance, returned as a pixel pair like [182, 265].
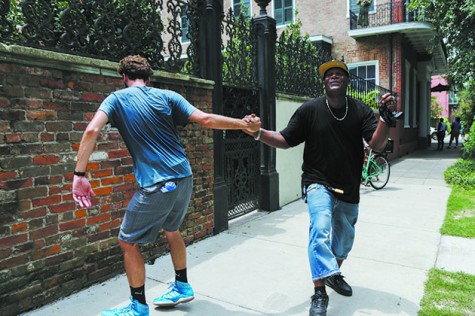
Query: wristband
[382, 120]
[258, 134]
[79, 174]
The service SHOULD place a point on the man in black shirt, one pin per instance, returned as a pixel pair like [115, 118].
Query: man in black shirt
[333, 128]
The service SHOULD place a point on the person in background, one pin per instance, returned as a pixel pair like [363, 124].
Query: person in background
[146, 118]
[333, 128]
[441, 129]
[455, 128]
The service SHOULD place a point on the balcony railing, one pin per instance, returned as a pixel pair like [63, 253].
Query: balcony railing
[366, 91]
[382, 15]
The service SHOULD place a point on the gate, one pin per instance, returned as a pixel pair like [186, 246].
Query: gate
[241, 152]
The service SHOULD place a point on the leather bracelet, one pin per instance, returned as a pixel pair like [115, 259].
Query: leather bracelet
[79, 174]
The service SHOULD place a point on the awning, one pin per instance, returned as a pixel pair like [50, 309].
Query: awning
[440, 87]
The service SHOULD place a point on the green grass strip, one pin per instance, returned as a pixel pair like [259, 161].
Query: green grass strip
[448, 294]
[460, 215]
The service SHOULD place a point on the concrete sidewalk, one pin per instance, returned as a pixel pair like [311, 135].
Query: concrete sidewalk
[260, 266]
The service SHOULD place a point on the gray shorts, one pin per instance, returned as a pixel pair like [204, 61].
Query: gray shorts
[150, 210]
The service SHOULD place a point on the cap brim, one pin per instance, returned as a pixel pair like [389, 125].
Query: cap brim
[332, 64]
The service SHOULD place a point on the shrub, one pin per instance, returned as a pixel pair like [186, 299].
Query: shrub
[461, 173]
[469, 144]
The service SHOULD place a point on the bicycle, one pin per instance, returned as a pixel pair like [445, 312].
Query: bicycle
[376, 169]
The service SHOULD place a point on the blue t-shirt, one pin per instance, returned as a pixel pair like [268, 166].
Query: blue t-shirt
[146, 118]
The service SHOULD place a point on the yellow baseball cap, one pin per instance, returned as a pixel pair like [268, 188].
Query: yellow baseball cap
[332, 64]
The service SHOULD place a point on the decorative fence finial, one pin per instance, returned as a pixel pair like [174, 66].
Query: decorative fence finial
[263, 4]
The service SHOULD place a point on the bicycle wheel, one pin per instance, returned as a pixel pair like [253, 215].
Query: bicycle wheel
[379, 172]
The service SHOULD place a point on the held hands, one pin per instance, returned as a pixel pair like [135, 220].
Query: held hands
[253, 122]
[82, 191]
[387, 110]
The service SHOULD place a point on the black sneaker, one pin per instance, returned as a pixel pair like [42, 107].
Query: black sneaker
[319, 304]
[340, 286]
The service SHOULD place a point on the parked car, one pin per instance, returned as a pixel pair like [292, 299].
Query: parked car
[433, 133]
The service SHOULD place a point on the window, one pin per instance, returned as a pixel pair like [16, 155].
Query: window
[356, 8]
[243, 6]
[367, 71]
[453, 98]
[283, 11]
[185, 24]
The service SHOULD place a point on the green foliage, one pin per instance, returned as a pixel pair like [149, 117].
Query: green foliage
[462, 173]
[455, 22]
[15, 17]
[237, 50]
[469, 145]
[435, 108]
[293, 29]
[369, 98]
[447, 123]
[466, 106]
[448, 293]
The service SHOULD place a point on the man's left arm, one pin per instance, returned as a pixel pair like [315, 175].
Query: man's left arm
[380, 136]
[215, 121]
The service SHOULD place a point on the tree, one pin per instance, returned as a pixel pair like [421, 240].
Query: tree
[465, 108]
[455, 22]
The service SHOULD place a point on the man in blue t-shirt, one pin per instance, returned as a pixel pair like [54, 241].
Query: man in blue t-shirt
[333, 128]
[146, 119]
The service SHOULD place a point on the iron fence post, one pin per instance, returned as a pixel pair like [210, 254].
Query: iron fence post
[265, 27]
[211, 67]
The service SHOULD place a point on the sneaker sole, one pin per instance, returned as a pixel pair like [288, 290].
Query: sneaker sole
[171, 304]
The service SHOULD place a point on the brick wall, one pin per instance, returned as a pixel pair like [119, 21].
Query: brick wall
[50, 247]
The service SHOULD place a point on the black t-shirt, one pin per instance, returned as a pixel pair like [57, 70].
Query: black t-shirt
[333, 153]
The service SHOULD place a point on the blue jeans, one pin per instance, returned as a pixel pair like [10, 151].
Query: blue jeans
[331, 232]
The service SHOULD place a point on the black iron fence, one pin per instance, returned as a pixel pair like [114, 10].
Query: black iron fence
[297, 62]
[107, 29]
[239, 50]
[383, 14]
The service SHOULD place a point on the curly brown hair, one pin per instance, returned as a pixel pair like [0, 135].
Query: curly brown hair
[135, 67]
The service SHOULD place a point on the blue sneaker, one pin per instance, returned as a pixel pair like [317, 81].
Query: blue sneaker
[180, 293]
[135, 308]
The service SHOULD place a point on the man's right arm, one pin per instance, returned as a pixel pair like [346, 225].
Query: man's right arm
[81, 188]
[88, 141]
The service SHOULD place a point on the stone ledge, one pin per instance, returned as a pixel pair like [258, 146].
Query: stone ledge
[29, 56]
